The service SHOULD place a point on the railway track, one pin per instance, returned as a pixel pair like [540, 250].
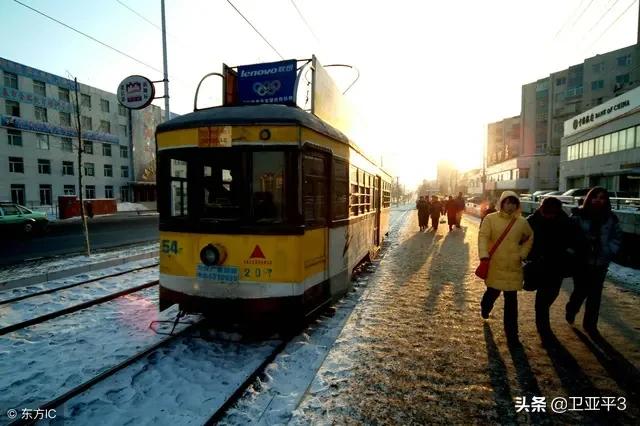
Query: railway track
[68, 286]
[75, 308]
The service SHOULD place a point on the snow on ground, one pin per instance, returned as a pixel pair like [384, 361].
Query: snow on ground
[35, 288]
[131, 207]
[46, 360]
[38, 267]
[36, 306]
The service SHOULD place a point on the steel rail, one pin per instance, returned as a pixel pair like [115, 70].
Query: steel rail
[64, 287]
[74, 308]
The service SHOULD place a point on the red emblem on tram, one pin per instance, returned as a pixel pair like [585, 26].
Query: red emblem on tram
[257, 253]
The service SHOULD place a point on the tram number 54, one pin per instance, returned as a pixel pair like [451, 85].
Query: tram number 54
[169, 246]
[257, 272]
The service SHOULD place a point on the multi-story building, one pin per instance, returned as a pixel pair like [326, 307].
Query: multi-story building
[447, 178]
[601, 147]
[39, 144]
[550, 101]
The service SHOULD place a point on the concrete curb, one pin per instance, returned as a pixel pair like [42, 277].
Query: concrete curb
[56, 275]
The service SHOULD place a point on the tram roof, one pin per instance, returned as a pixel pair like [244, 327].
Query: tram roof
[252, 115]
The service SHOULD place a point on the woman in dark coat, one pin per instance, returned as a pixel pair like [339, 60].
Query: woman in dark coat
[552, 256]
[451, 206]
[601, 239]
[435, 209]
[423, 213]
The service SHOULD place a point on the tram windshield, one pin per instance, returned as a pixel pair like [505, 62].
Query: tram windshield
[228, 185]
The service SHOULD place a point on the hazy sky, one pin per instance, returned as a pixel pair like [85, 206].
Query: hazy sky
[433, 73]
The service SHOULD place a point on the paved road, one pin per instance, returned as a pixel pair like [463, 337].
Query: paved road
[65, 237]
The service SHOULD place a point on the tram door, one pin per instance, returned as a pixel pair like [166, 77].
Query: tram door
[378, 207]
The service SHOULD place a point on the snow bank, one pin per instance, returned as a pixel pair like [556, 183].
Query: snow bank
[130, 207]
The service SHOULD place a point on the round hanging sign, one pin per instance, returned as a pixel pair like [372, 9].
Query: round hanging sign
[136, 92]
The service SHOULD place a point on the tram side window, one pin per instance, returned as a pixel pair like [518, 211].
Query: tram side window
[221, 187]
[314, 189]
[268, 186]
[178, 188]
[340, 190]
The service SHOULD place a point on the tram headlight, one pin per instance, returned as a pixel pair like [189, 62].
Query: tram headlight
[210, 255]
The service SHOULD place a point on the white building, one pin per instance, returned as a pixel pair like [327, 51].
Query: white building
[601, 146]
[38, 140]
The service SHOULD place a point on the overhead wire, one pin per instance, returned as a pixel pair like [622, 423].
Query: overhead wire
[603, 16]
[613, 23]
[567, 21]
[89, 37]
[255, 29]
[582, 14]
[305, 21]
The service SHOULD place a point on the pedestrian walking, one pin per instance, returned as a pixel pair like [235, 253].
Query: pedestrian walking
[423, 213]
[490, 209]
[436, 209]
[451, 207]
[601, 238]
[512, 237]
[460, 204]
[551, 259]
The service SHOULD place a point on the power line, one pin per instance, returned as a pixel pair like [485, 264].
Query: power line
[140, 15]
[583, 12]
[613, 23]
[603, 15]
[305, 21]
[567, 21]
[255, 29]
[89, 37]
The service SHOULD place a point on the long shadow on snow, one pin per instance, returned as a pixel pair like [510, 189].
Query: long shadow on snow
[449, 264]
[499, 380]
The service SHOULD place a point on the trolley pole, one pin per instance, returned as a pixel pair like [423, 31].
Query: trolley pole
[166, 68]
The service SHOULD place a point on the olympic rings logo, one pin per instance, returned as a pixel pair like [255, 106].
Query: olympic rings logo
[268, 88]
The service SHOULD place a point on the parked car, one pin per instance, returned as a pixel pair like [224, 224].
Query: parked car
[14, 217]
[571, 196]
[536, 195]
[619, 199]
[556, 194]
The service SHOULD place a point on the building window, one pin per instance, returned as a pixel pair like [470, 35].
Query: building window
[622, 78]
[85, 100]
[65, 119]
[108, 170]
[560, 81]
[67, 168]
[624, 60]
[88, 147]
[45, 195]
[44, 166]
[41, 114]
[67, 145]
[39, 88]
[43, 141]
[597, 85]
[18, 194]
[16, 165]
[105, 126]
[106, 150]
[89, 169]
[124, 152]
[122, 110]
[108, 191]
[597, 68]
[14, 137]
[90, 191]
[10, 80]
[104, 105]
[69, 190]
[124, 171]
[63, 94]
[87, 123]
[12, 108]
[123, 129]
[124, 193]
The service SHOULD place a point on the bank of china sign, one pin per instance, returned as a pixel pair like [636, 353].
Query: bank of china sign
[602, 113]
[270, 83]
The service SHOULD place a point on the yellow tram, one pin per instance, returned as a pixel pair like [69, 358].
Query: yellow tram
[265, 210]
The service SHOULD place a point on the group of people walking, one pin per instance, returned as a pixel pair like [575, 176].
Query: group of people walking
[452, 207]
[553, 246]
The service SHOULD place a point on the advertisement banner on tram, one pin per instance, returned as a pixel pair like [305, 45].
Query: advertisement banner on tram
[269, 83]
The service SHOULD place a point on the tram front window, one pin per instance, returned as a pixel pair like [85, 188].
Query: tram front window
[268, 195]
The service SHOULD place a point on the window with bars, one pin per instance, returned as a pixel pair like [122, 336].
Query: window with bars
[89, 169]
[44, 166]
[14, 137]
[16, 165]
[67, 168]
[10, 80]
[39, 88]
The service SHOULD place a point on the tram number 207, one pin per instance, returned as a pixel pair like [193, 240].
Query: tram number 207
[257, 272]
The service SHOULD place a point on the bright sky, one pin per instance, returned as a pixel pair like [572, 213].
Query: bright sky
[433, 74]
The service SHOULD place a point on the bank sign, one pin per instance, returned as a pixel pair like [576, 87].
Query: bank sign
[604, 112]
[270, 83]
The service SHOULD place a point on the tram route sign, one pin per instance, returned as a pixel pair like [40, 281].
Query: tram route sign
[136, 92]
[268, 83]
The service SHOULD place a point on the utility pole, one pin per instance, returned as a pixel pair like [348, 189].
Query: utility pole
[166, 69]
[80, 150]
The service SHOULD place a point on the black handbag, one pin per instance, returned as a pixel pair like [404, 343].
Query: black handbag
[532, 274]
